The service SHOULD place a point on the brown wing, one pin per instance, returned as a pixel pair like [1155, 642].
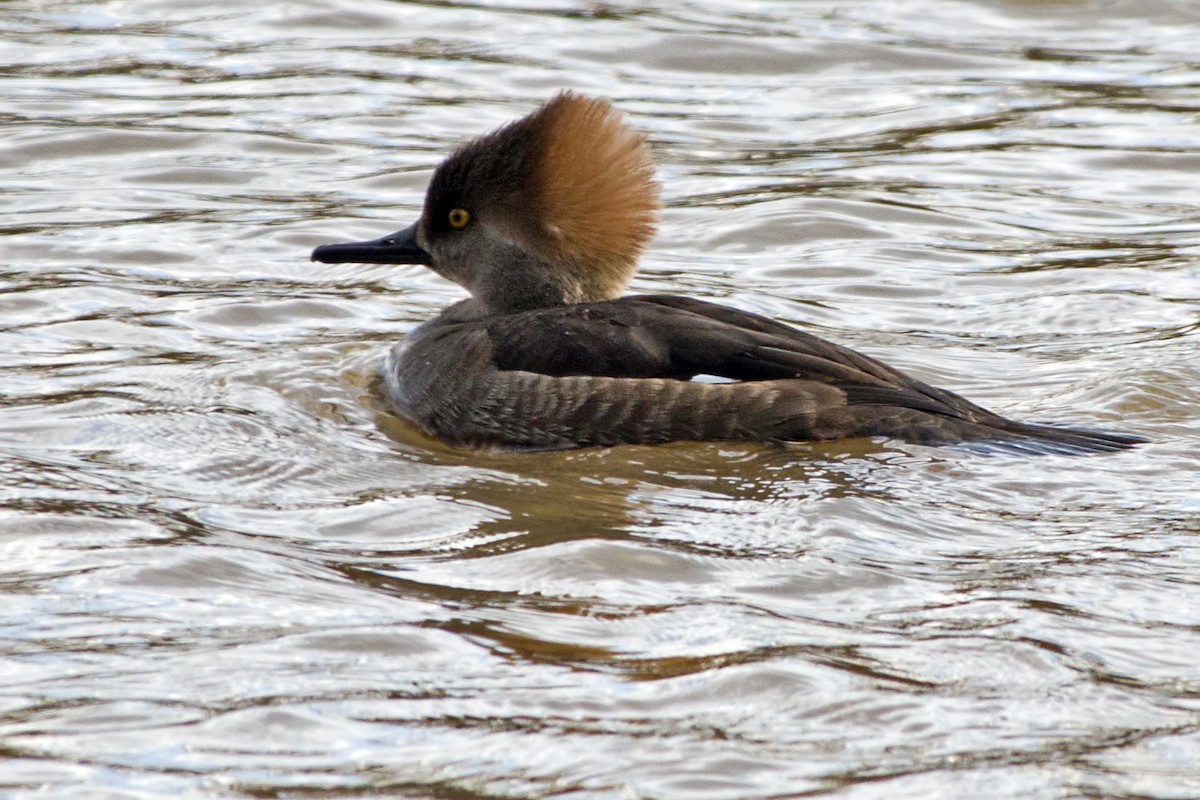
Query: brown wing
[620, 371]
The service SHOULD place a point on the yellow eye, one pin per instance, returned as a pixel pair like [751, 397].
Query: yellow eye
[459, 218]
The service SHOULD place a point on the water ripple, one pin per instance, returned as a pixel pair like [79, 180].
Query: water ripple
[228, 572]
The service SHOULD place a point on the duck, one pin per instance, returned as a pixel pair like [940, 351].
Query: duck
[543, 222]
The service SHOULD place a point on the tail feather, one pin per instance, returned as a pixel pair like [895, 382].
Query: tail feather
[1030, 437]
[948, 419]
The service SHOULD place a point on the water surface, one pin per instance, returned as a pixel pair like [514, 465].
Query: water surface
[227, 572]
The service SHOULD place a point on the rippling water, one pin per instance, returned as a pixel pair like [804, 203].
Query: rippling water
[228, 573]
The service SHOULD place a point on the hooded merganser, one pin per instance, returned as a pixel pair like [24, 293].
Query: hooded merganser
[543, 221]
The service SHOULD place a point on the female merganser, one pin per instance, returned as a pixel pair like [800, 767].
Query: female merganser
[543, 221]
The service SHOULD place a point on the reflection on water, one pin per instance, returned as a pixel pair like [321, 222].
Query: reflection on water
[227, 572]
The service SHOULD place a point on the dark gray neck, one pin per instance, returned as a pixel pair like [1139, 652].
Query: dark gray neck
[516, 281]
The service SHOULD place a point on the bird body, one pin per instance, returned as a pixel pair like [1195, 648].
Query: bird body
[543, 222]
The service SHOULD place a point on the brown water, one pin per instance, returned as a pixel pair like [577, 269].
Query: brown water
[226, 573]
